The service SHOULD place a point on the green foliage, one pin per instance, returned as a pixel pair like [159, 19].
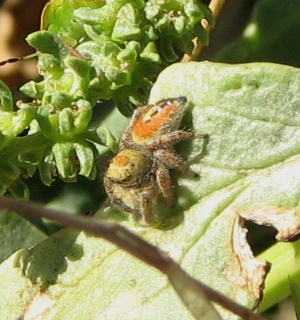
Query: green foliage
[122, 46]
[240, 170]
[295, 293]
[114, 50]
[90, 50]
[284, 276]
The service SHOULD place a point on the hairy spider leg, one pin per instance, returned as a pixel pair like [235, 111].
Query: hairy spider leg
[164, 183]
[172, 161]
[172, 138]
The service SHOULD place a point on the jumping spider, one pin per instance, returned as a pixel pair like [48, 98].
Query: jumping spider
[140, 171]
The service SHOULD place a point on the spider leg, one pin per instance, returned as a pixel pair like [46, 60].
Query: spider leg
[146, 205]
[173, 137]
[118, 203]
[172, 161]
[164, 183]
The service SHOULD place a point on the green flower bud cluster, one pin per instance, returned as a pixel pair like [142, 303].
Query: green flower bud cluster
[113, 49]
[91, 51]
[13, 123]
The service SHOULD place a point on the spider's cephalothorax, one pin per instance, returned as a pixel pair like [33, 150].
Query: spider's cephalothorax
[130, 182]
[140, 171]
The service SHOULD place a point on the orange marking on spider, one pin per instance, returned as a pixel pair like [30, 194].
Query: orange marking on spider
[122, 160]
[153, 120]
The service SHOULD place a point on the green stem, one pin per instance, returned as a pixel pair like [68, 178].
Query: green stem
[285, 259]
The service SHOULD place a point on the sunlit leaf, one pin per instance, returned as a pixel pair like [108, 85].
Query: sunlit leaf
[248, 168]
[5, 98]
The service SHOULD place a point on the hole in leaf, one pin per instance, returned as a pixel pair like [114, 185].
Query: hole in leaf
[259, 237]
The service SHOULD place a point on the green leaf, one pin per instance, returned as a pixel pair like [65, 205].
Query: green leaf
[57, 12]
[47, 42]
[249, 169]
[295, 293]
[6, 100]
[106, 138]
[127, 24]
[67, 123]
[86, 160]
[52, 265]
[47, 168]
[178, 21]
[33, 89]
[16, 233]
[72, 159]
[13, 123]
[284, 258]
[10, 177]
[120, 47]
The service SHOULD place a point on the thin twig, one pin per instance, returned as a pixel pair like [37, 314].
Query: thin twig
[13, 60]
[216, 7]
[129, 242]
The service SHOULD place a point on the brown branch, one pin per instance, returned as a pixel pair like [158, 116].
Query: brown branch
[216, 7]
[139, 248]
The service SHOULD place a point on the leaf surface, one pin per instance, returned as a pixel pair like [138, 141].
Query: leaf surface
[249, 167]
[16, 233]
